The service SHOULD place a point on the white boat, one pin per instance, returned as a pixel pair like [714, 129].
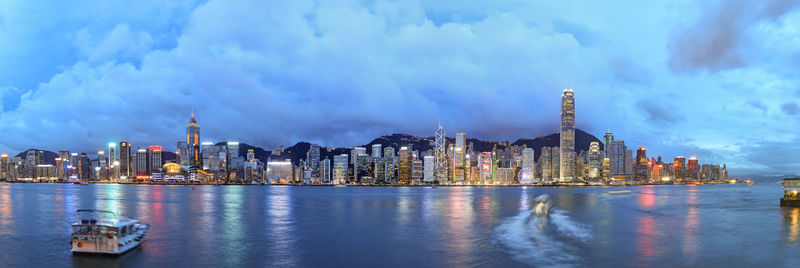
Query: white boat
[619, 192]
[103, 232]
[542, 206]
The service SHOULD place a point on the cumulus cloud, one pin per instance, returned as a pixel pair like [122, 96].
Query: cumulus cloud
[717, 39]
[339, 74]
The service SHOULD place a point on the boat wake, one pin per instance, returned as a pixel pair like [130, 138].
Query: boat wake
[543, 241]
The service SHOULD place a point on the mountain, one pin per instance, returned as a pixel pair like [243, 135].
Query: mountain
[582, 142]
[49, 157]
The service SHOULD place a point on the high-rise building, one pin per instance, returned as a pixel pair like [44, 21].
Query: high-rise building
[376, 150]
[404, 165]
[125, 159]
[193, 142]
[182, 153]
[417, 171]
[155, 160]
[459, 157]
[142, 169]
[4, 166]
[210, 154]
[549, 161]
[567, 145]
[113, 163]
[528, 166]
[312, 158]
[440, 155]
[692, 168]
[325, 171]
[678, 167]
[389, 164]
[340, 168]
[595, 169]
[642, 172]
[84, 167]
[619, 161]
[429, 163]
[607, 140]
[355, 152]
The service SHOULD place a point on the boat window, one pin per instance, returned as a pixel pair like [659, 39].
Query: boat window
[123, 232]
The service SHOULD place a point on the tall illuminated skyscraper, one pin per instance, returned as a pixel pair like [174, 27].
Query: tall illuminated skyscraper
[567, 146]
[125, 159]
[440, 155]
[459, 155]
[607, 140]
[193, 142]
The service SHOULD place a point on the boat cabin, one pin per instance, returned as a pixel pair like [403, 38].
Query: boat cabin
[791, 188]
[98, 231]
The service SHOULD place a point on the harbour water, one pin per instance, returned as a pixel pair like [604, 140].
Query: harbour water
[231, 226]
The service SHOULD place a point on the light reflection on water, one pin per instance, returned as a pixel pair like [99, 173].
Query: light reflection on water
[405, 226]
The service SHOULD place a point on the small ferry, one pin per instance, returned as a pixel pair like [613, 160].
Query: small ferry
[542, 206]
[103, 232]
[791, 187]
[619, 192]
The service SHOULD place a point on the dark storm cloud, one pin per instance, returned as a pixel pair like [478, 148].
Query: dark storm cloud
[658, 113]
[779, 156]
[717, 39]
[790, 108]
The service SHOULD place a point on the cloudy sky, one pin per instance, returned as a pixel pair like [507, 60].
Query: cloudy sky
[719, 80]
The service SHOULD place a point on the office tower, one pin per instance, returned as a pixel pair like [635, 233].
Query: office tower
[4, 166]
[618, 163]
[404, 163]
[440, 155]
[84, 167]
[641, 172]
[416, 171]
[182, 153]
[389, 164]
[312, 158]
[209, 152]
[113, 164]
[142, 169]
[60, 168]
[459, 157]
[607, 140]
[429, 164]
[692, 168]
[193, 142]
[550, 160]
[125, 159]
[567, 145]
[376, 150]
[528, 166]
[724, 172]
[629, 164]
[355, 152]
[102, 166]
[325, 171]
[485, 167]
[340, 168]
[678, 167]
[595, 161]
[155, 160]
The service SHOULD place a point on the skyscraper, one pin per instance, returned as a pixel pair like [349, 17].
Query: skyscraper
[641, 172]
[141, 163]
[182, 153]
[459, 156]
[376, 150]
[313, 158]
[340, 168]
[607, 140]
[428, 168]
[154, 157]
[678, 166]
[404, 163]
[528, 166]
[595, 161]
[567, 145]
[113, 164]
[440, 155]
[125, 159]
[193, 141]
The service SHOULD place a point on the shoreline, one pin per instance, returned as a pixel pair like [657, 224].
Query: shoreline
[393, 185]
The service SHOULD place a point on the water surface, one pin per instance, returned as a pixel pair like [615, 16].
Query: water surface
[228, 226]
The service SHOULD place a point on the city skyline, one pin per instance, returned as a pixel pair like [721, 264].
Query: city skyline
[707, 83]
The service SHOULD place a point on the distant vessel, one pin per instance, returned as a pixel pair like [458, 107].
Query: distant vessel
[542, 206]
[619, 192]
[791, 187]
[103, 232]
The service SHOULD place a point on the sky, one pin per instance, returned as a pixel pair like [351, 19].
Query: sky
[717, 80]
